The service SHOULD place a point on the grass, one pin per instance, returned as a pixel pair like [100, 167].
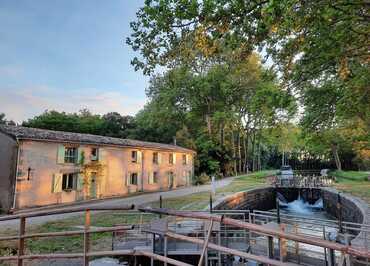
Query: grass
[196, 201]
[353, 182]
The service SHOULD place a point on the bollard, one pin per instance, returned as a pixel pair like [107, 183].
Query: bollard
[210, 203]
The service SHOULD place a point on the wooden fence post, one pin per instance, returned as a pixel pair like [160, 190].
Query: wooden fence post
[86, 237]
[22, 229]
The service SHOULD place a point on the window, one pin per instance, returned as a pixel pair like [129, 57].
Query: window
[133, 179]
[153, 178]
[70, 155]
[68, 181]
[184, 159]
[94, 154]
[170, 159]
[155, 157]
[134, 156]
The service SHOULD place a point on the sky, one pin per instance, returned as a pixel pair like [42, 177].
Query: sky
[68, 55]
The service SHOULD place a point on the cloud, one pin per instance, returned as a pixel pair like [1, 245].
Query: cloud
[21, 104]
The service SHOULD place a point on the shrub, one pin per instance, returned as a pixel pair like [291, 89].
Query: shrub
[201, 179]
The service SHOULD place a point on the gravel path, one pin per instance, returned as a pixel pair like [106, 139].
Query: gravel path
[137, 200]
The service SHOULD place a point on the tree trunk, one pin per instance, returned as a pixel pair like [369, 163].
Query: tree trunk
[334, 149]
[234, 152]
[245, 146]
[253, 152]
[239, 154]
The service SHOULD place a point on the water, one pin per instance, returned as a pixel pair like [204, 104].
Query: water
[310, 220]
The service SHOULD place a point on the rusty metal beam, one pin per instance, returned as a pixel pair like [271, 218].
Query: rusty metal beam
[128, 252]
[263, 230]
[70, 233]
[64, 210]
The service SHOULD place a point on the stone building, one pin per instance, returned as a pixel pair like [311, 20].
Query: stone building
[42, 167]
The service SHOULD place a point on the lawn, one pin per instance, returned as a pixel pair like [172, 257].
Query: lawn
[196, 201]
[353, 182]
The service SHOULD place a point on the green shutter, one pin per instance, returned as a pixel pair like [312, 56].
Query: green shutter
[159, 158]
[80, 156]
[80, 182]
[139, 156]
[60, 154]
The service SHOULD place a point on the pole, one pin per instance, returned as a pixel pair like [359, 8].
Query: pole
[277, 210]
[210, 203]
[339, 208]
[160, 205]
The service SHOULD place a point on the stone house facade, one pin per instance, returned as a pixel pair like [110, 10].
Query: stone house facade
[45, 167]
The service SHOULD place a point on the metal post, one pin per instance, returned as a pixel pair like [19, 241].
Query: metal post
[270, 244]
[324, 237]
[160, 205]
[210, 203]
[165, 249]
[339, 208]
[86, 237]
[204, 250]
[277, 210]
[22, 229]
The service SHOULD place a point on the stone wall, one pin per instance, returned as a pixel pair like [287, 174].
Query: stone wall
[262, 198]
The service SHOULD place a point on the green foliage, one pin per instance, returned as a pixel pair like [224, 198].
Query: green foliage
[202, 179]
[110, 124]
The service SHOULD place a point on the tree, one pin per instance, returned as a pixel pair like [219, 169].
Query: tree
[3, 120]
[116, 125]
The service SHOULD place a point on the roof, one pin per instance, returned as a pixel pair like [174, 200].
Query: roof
[27, 133]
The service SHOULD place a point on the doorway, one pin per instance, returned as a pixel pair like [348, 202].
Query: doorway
[171, 180]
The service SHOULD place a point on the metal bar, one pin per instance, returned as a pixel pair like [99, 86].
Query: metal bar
[22, 229]
[235, 252]
[86, 237]
[70, 233]
[205, 243]
[265, 231]
[65, 210]
[161, 258]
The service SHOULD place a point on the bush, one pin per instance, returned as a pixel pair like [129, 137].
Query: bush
[202, 179]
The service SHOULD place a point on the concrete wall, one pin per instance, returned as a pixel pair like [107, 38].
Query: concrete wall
[8, 160]
[116, 163]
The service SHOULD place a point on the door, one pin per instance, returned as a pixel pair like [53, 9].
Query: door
[92, 182]
[170, 179]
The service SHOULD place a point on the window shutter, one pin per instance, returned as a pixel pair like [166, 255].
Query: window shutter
[139, 156]
[187, 158]
[102, 154]
[151, 178]
[159, 158]
[128, 178]
[174, 158]
[60, 154]
[57, 183]
[52, 183]
[80, 182]
[79, 155]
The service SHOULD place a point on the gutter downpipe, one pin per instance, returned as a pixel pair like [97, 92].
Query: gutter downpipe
[16, 173]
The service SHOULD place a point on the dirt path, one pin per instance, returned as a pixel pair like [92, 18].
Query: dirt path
[137, 200]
